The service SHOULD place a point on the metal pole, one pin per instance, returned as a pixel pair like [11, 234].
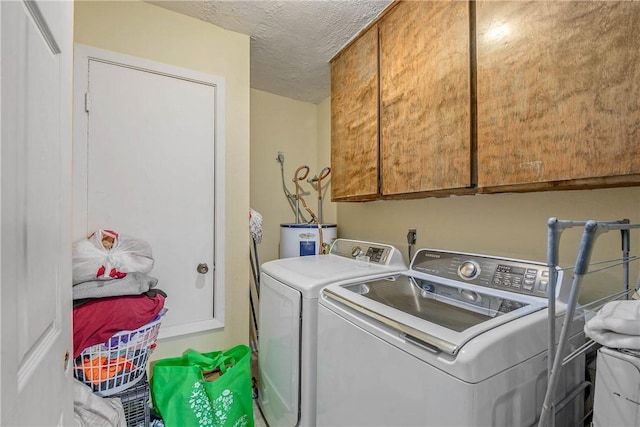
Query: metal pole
[589, 236]
[553, 244]
[625, 235]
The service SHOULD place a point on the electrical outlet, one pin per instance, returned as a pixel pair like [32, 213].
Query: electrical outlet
[412, 236]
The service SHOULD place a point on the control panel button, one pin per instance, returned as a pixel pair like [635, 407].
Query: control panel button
[375, 254]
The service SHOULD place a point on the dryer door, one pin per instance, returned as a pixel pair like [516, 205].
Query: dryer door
[279, 352]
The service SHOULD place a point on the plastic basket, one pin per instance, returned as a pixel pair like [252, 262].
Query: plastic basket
[135, 402]
[120, 362]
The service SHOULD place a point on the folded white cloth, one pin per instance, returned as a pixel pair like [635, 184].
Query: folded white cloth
[616, 325]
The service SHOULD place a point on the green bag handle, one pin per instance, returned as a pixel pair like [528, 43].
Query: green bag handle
[231, 357]
[207, 363]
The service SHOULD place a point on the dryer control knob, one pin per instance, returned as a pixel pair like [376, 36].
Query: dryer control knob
[356, 251]
[468, 270]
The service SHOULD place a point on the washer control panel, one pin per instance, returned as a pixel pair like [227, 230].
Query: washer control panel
[524, 277]
[375, 253]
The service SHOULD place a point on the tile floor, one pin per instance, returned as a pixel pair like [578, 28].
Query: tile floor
[258, 420]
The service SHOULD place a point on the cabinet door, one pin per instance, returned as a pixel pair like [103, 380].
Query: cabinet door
[354, 120]
[425, 133]
[558, 92]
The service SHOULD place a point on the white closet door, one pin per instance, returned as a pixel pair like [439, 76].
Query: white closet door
[35, 266]
[150, 157]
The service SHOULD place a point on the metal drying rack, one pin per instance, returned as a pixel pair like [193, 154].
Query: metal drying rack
[557, 359]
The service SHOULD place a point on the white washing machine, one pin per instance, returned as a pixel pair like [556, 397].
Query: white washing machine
[289, 290]
[457, 340]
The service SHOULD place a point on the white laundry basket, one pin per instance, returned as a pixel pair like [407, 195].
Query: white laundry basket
[120, 362]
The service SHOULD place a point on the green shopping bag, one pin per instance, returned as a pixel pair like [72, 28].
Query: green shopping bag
[204, 389]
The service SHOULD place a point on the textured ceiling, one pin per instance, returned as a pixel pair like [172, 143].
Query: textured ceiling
[291, 41]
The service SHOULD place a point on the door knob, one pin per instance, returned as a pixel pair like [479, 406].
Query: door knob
[202, 268]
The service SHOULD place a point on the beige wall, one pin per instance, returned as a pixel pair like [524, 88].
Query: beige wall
[143, 30]
[330, 209]
[294, 128]
[510, 225]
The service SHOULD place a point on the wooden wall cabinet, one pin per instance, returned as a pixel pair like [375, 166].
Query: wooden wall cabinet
[410, 134]
[354, 120]
[488, 97]
[558, 94]
[425, 130]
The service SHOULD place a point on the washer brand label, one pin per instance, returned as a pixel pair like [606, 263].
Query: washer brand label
[431, 255]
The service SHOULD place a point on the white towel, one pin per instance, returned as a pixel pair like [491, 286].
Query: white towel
[616, 325]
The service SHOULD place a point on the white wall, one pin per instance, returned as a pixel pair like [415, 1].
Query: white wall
[141, 29]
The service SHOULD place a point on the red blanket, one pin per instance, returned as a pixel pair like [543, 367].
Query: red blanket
[96, 321]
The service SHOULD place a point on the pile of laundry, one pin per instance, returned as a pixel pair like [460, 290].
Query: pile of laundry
[116, 310]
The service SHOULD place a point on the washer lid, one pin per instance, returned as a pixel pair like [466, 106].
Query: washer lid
[309, 274]
[348, 259]
[439, 320]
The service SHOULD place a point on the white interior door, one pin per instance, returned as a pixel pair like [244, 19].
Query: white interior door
[150, 172]
[35, 210]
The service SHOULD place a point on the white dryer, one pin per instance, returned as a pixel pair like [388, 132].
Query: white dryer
[459, 340]
[289, 290]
